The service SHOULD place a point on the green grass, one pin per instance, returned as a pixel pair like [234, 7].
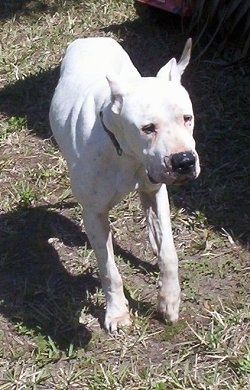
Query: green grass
[51, 303]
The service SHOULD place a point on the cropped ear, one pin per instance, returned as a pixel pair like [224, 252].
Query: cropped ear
[185, 57]
[118, 92]
[172, 71]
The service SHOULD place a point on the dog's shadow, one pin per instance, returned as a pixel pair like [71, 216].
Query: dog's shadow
[36, 290]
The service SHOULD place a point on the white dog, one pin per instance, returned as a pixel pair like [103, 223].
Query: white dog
[119, 132]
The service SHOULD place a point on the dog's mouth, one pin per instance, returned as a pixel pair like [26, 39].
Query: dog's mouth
[172, 178]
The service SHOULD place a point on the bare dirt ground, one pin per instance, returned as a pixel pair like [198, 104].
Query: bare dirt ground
[51, 303]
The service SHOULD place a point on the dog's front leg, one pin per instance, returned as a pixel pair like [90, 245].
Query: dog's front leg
[99, 235]
[156, 205]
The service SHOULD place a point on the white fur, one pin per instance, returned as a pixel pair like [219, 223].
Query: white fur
[98, 75]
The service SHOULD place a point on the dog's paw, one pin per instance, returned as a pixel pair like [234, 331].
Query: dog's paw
[113, 323]
[168, 304]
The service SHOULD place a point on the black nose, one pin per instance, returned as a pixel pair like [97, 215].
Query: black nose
[183, 162]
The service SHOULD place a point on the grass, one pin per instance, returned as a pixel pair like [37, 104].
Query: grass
[51, 303]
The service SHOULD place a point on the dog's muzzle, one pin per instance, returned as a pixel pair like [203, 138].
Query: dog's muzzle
[178, 168]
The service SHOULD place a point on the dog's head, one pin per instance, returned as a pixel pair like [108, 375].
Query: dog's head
[155, 122]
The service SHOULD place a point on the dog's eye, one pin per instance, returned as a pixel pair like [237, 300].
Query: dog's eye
[187, 118]
[149, 129]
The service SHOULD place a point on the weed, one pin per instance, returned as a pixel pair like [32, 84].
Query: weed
[25, 195]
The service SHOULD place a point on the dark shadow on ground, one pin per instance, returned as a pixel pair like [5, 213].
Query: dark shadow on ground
[9, 7]
[17, 8]
[30, 98]
[35, 288]
[138, 264]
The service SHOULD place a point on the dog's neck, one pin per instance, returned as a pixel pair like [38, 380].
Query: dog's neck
[111, 135]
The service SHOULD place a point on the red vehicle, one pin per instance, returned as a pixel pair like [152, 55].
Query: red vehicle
[181, 7]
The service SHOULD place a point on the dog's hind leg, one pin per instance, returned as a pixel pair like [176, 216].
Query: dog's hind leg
[156, 205]
[99, 235]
